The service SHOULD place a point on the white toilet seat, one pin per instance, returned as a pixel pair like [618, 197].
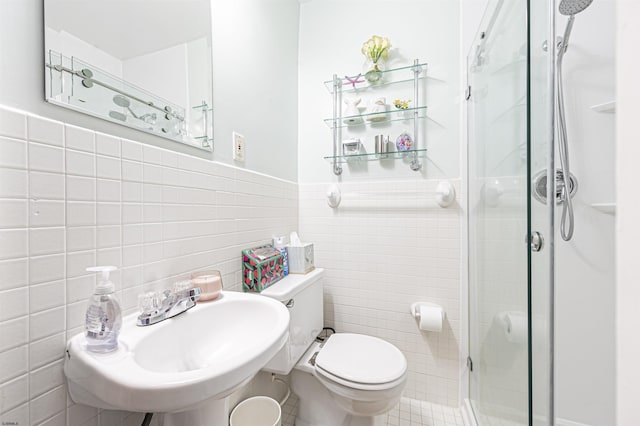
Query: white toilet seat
[361, 362]
[359, 386]
[376, 374]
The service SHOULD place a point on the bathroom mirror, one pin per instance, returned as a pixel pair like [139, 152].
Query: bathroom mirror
[138, 63]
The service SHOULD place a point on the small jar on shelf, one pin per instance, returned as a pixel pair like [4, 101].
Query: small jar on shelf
[403, 108]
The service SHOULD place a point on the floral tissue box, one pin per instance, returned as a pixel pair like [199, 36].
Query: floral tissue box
[261, 267]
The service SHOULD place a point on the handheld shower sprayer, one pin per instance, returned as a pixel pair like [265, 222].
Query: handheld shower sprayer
[568, 8]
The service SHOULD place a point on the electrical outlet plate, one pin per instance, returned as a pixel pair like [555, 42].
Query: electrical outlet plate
[238, 147]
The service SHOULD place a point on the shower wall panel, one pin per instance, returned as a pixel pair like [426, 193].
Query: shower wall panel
[585, 278]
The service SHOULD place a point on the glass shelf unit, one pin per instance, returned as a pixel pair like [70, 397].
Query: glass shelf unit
[390, 76]
[394, 115]
[413, 76]
[394, 155]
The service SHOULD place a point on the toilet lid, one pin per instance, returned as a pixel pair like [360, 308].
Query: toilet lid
[361, 359]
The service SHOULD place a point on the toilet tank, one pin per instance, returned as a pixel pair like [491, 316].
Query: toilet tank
[302, 294]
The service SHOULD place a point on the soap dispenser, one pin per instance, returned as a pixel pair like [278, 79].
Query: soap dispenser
[280, 245]
[104, 316]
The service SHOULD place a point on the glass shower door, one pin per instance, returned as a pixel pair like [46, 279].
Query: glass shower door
[510, 279]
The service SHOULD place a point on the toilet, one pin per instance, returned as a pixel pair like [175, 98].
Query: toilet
[348, 379]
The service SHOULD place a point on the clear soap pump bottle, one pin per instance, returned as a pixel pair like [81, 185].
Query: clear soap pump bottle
[104, 316]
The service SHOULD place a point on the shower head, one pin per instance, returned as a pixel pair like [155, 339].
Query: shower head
[121, 101]
[571, 7]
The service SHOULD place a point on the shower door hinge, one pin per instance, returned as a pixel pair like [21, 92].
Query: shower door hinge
[467, 93]
[469, 363]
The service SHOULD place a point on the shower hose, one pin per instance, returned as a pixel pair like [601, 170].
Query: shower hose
[567, 220]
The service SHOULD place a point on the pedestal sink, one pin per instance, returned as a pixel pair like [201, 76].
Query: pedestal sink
[186, 365]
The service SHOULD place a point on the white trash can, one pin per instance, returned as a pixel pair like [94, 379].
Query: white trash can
[257, 411]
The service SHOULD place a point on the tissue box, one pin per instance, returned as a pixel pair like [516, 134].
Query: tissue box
[261, 267]
[300, 258]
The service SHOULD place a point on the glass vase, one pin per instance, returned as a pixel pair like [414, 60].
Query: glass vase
[374, 75]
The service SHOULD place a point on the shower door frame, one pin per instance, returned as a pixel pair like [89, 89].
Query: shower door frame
[551, 191]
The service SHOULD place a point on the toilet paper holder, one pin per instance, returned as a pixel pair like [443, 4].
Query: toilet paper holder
[417, 307]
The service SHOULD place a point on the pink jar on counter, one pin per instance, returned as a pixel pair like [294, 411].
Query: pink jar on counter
[210, 283]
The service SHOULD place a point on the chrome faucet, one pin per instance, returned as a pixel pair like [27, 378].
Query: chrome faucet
[159, 306]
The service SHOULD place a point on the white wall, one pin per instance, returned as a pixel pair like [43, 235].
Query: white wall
[71, 198]
[627, 372]
[255, 63]
[388, 244]
[585, 271]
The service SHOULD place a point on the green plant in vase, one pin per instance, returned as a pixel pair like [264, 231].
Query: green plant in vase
[375, 50]
[403, 108]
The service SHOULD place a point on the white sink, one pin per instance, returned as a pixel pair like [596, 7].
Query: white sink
[203, 354]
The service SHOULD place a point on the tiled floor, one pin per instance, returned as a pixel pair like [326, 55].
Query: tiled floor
[409, 412]
[289, 411]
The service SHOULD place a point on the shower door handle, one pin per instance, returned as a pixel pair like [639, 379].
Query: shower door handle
[536, 241]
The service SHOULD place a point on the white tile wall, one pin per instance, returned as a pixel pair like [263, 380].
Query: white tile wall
[386, 246]
[71, 198]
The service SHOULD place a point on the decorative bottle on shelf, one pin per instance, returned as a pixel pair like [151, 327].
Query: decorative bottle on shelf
[404, 142]
[104, 317]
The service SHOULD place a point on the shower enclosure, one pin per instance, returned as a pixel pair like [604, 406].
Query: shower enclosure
[510, 71]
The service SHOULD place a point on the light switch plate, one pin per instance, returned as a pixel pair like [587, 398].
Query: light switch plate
[238, 147]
